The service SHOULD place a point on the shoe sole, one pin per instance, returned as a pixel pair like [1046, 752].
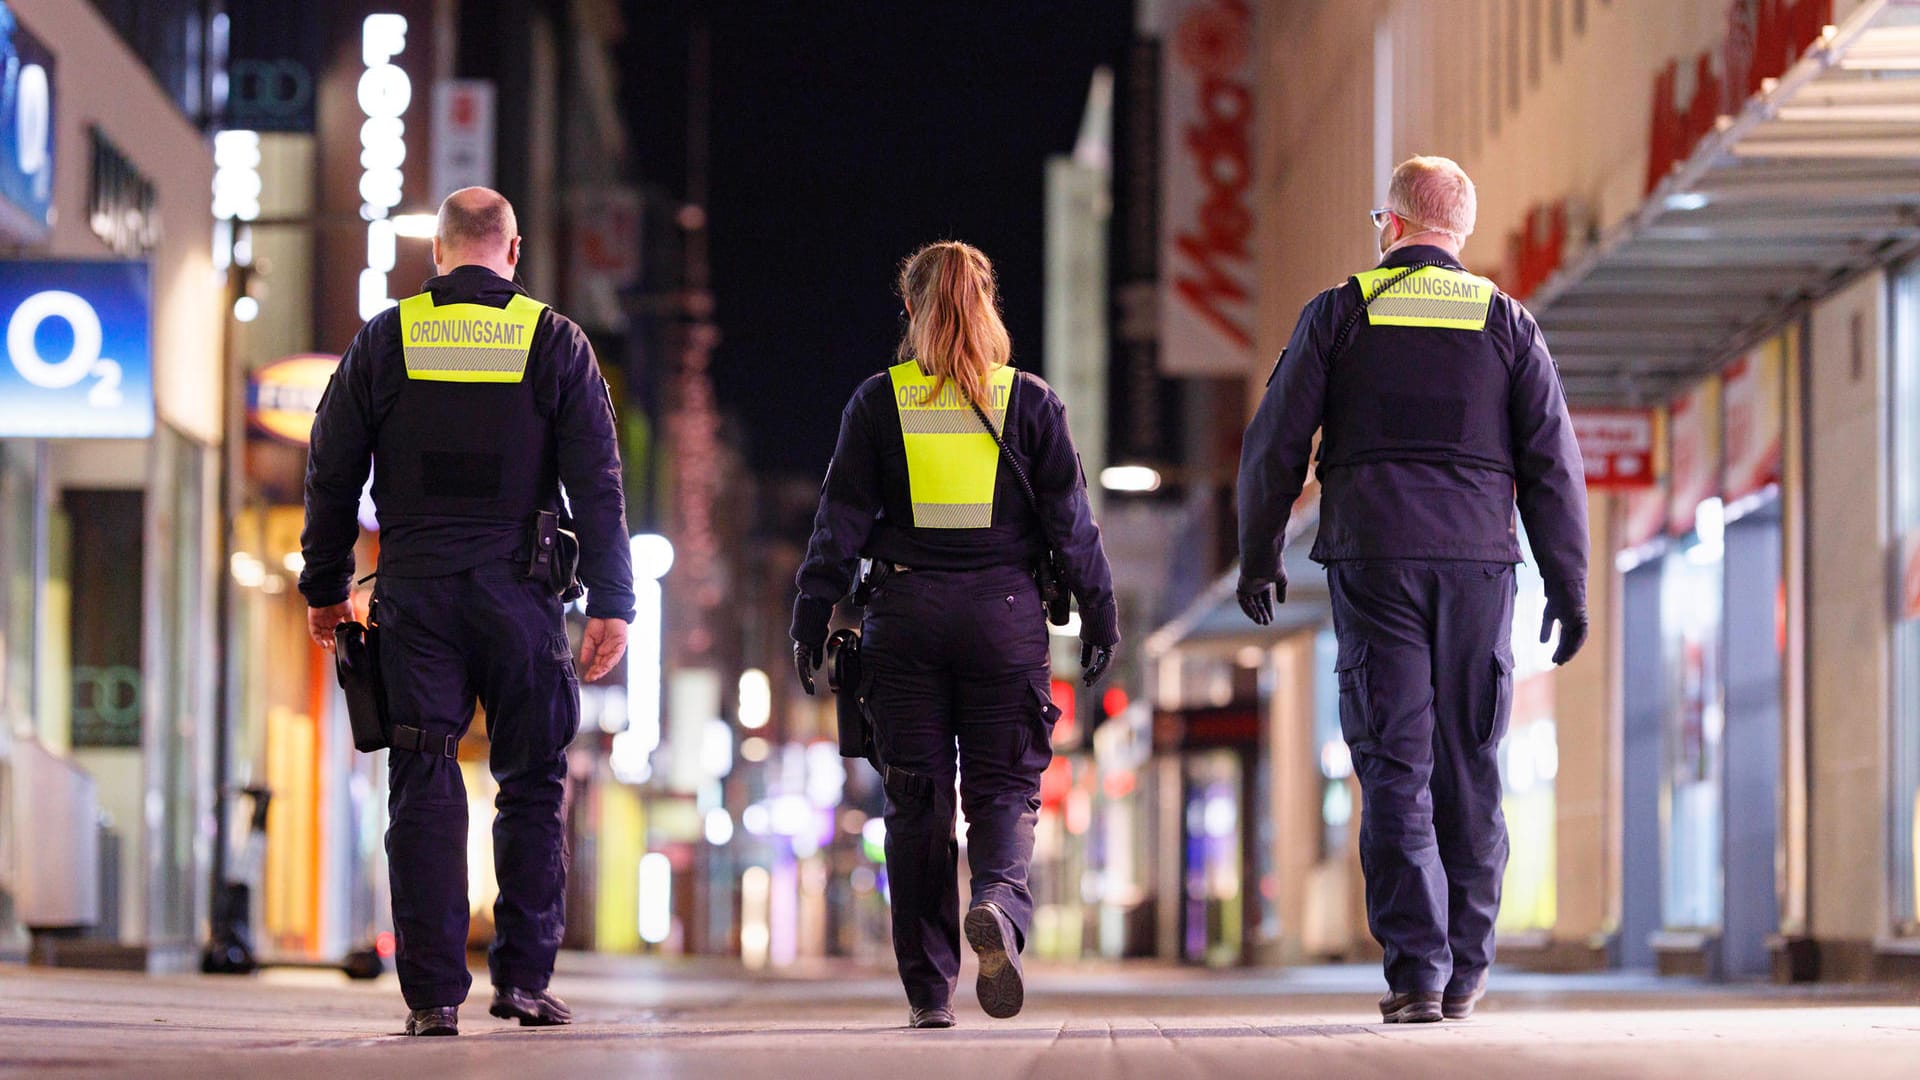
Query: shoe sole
[1423, 1013]
[1458, 1010]
[1000, 987]
[432, 1032]
[508, 1012]
[930, 1025]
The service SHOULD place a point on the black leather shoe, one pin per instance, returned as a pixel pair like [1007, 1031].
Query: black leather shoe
[441, 1021]
[939, 1016]
[1459, 1000]
[533, 1008]
[1419, 1007]
[1000, 987]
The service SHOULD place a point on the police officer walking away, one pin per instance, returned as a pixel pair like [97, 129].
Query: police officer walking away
[955, 636]
[473, 404]
[1439, 406]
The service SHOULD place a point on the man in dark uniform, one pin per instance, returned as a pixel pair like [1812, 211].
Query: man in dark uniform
[1438, 406]
[473, 404]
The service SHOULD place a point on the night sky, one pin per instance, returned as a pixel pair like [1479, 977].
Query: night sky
[844, 135]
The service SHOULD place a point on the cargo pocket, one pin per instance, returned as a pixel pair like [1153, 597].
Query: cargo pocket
[1036, 751]
[1494, 726]
[1356, 707]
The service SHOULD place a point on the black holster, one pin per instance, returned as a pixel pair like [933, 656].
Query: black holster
[849, 685]
[356, 663]
[553, 556]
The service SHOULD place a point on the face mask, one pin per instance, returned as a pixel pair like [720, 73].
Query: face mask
[1382, 237]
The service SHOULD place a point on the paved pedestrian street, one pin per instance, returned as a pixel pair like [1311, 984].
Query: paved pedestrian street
[639, 1018]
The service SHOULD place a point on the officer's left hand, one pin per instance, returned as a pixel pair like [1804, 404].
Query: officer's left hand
[1256, 601]
[322, 620]
[1094, 660]
[1573, 628]
[602, 646]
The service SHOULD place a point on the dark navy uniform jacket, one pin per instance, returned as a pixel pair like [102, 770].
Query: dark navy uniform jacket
[357, 421]
[866, 511]
[1430, 436]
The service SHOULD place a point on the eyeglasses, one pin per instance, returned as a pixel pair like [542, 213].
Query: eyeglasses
[1380, 215]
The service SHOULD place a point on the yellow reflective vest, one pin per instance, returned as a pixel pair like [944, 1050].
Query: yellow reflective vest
[1431, 296]
[952, 462]
[469, 343]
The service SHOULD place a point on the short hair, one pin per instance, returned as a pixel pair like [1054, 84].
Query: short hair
[476, 219]
[1434, 192]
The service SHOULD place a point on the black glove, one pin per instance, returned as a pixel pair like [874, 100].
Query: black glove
[1255, 599]
[1573, 627]
[1094, 660]
[806, 659]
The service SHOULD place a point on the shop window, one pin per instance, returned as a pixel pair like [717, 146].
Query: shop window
[1556, 28]
[1579, 16]
[1529, 765]
[1513, 54]
[1905, 812]
[1690, 606]
[1535, 31]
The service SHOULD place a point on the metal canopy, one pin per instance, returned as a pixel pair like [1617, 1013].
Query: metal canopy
[1815, 181]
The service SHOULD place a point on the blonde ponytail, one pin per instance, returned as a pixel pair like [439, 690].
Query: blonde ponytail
[953, 325]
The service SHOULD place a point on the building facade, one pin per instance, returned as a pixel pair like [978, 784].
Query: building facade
[109, 476]
[1703, 205]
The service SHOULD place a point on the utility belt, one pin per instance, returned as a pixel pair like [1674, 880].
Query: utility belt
[551, 556]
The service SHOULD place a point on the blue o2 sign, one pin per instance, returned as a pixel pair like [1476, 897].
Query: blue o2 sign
[78, 361]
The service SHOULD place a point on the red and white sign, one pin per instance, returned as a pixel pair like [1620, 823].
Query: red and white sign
[1617, 446]
[1207, 268]
[1910, 577]
[1753, 407]
[1694, 475]
[462, 135]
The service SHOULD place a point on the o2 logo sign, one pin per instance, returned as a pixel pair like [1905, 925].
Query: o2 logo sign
[78, 361]
[82, 361]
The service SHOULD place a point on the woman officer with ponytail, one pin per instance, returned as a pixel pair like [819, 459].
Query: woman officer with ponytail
[954, 643]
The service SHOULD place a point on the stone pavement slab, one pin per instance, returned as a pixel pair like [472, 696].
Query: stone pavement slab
[642, 1018]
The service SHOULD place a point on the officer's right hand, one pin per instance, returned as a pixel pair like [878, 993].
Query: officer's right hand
[602, 646]
[806, 659]
[1573, 628]
[1258, 595]
[322, 620]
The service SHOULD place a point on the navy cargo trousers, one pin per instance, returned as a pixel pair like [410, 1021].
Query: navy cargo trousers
[957, 659]
[1425, 671]
[490, 634]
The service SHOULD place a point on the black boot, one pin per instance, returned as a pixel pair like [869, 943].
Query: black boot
[1000, 987]
[444, 1020]
[1418, 1007]
[533, 1008]
[936, 1016]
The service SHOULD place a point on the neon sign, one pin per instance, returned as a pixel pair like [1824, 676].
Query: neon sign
[384, 93]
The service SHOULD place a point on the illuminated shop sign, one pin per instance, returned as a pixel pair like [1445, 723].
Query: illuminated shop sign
[384, 93]
[77, 349]
[284, 395]
[26, 129]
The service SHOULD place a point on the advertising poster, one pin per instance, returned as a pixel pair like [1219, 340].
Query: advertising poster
[1616, 446]
[1694, 474]
[78, 361]
[1753, 417]
[26, 128]
[1207, 196]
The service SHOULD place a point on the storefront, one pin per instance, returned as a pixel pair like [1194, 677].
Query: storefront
[110, 416]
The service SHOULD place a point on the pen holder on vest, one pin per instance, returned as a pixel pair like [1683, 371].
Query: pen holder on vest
[845, 679]
[356, 663]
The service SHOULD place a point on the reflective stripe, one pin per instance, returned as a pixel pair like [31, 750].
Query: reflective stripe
[953, 464]
[1434, 296]
[470, 343]
[953, 515]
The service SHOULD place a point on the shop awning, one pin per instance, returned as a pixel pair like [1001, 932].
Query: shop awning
[1814, 181]
[1214, 621]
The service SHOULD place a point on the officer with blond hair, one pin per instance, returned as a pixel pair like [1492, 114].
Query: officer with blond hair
[1439, 408]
